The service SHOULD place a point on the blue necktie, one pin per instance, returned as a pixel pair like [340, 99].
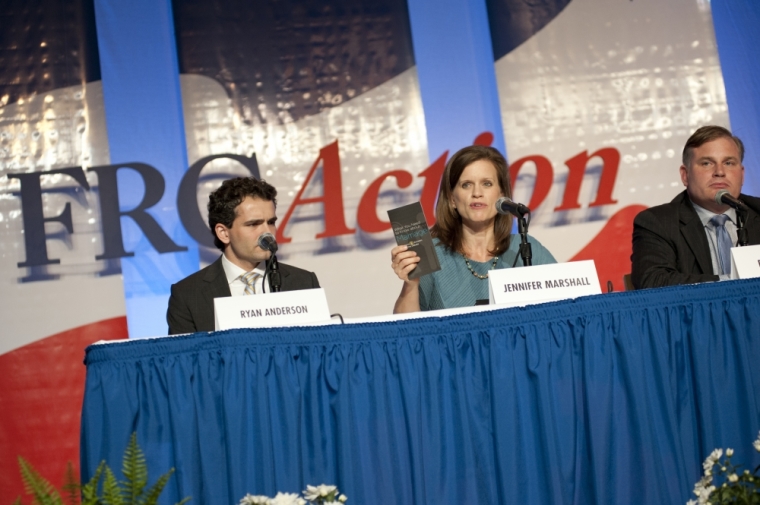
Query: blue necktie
[724, 242]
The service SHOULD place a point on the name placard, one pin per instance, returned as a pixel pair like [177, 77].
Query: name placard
[543, 283]
[745, 262]
[287, 308]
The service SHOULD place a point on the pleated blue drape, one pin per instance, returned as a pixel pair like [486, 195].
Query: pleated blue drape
[614, 398]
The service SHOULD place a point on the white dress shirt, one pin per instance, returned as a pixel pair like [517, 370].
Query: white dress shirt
[233, 273]
[712, 239]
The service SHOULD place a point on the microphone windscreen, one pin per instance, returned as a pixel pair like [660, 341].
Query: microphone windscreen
[500, 205]
[267, 242]
[719, 196]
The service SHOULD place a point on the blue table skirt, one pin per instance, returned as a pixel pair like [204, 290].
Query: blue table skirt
[614, 398]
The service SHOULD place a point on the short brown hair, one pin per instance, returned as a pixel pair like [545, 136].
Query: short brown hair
[448, 226]
[223, 202]
[706, 134]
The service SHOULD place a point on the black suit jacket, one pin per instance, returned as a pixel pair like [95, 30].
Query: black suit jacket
[191, 304]
[670, 245]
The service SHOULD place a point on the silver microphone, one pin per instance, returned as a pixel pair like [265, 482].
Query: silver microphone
[267, 242]
[723, 197]
[505, 206]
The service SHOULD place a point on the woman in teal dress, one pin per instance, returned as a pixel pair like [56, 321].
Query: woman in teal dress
[471, 237]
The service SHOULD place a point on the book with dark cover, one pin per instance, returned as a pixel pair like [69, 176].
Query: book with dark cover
[410, 228]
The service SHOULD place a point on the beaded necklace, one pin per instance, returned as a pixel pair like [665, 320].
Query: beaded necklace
[476, 274]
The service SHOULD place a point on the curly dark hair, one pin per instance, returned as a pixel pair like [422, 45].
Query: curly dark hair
[448, 226]
[223, 202]
[706, 134]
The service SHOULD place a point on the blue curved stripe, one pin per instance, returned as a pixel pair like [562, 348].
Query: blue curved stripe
[454, 58]
[145, 123]
[738, 37]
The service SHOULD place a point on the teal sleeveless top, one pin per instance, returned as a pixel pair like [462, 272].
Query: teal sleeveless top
[455, 286]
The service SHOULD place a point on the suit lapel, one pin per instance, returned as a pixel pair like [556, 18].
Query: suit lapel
[284, 274]
[752, 225]
[693, 232]
[216, 286]
[284, 281]
[216, 283]
[753, 229]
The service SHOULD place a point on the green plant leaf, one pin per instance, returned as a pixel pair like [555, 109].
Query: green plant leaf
[111, 490]
[131, 491]
[151, 497]
[70, 485]
[135, 471]
[37, 486]
[90, 489]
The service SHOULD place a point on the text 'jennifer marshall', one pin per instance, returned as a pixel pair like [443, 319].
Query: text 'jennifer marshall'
[274, 311]
[548, 284]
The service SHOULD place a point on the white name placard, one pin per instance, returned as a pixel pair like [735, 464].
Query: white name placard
[287, 308]
[543, 283]
[745, 262]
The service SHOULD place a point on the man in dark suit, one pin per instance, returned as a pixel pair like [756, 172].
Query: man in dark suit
[240, 211]
[680, 242]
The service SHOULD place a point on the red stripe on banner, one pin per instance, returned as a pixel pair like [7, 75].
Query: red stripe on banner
[41, 391]
[612, 247]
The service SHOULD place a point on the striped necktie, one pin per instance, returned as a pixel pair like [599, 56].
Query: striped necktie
[724, 242]
[249, 279]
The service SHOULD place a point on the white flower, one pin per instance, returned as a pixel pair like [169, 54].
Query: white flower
[343, 498]
[711, 460]
[756, 443]
[716, 454]
[729, 452]
[322, 491]
[702, 484]
[287, 499]
[691, 502]
[704, 495]
[708, 465]
[250, 499]
[733, 478]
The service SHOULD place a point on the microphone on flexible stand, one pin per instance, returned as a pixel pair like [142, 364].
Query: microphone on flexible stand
[275, 281]
[505, 206]
[723, 197]
[268, 243]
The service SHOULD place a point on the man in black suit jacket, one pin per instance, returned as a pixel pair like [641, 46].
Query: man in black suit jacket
[675, 243]
[240, 211]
